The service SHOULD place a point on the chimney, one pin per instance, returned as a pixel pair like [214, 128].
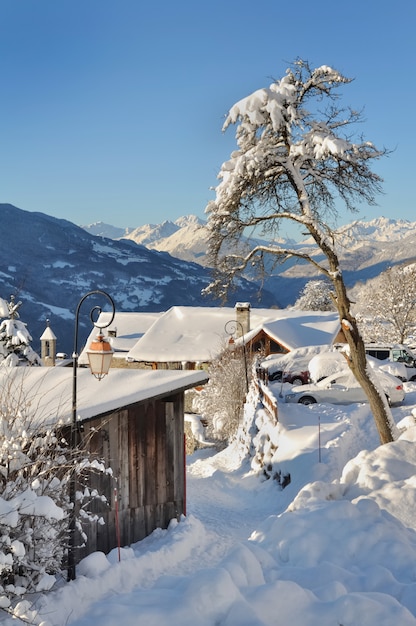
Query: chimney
[242, 312]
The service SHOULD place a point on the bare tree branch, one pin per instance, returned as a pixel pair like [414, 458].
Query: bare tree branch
[296, 163]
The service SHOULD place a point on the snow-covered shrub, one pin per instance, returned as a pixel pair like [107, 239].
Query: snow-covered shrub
[37, 467]
[221, 401]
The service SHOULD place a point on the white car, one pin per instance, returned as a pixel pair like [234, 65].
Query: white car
[342, 388]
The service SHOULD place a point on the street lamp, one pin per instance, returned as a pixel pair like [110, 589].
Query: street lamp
[231, 328]
[99, 355]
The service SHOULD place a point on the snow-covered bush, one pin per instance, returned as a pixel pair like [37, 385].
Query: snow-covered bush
[221, 401]
[36, 470]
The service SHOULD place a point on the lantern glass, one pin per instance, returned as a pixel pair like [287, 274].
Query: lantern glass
[100, 354]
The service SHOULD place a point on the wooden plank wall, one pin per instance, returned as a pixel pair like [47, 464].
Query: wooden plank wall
[144, 446]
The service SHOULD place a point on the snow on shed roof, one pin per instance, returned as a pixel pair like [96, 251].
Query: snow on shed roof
[44, 394]
[198, 333]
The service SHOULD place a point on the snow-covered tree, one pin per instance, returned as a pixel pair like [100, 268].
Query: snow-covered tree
[386, 305]
[316, 296]
[296, 160]
[221, 401]
[15, 348]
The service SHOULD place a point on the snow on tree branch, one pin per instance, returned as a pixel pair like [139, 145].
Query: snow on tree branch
[297, 158]
[293, 161]
[15, 348]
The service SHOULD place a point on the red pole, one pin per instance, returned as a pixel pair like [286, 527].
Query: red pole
[117, 523]
[184, 474]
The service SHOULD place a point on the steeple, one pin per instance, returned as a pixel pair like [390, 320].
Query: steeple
[48, 346]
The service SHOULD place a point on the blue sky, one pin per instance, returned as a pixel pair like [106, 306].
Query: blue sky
[113, 111]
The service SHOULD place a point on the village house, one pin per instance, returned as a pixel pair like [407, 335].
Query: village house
[186, 337]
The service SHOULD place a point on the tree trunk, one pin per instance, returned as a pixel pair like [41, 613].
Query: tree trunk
[357, 361]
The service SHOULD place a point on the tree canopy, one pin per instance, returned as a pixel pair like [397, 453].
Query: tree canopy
[316, 296]
[297, 158]
[292, 162]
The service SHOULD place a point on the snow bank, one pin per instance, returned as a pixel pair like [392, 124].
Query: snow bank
[337, 546]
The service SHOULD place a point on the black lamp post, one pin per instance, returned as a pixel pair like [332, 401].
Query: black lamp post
[231, 328]
[99, 355]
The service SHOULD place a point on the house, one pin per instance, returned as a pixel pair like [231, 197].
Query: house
[191, 337]
[295, 329]
[134, 420]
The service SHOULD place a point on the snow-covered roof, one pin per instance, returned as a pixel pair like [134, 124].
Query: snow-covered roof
[45, 393]
[189, 334]
[48, 334]
[304, 328]
[198, 333]
[127, 329]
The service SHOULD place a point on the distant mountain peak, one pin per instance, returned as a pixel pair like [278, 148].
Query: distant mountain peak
[101, 229]
[189, 220]
[378, 229]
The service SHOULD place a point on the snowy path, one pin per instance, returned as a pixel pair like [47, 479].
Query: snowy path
[203, 571]
[230, 507]
[225, 505]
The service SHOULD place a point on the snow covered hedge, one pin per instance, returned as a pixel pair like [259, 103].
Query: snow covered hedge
[36, 470]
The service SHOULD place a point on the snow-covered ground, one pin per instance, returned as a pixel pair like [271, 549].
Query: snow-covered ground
[336, 547]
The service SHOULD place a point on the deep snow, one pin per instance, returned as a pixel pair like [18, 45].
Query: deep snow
[336, 547]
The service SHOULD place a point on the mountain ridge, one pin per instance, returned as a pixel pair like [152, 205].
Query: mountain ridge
[50, 264]
[365, 249]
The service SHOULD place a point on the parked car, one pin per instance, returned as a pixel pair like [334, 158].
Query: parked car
[394, 353]
[294, 377]
[342, 388]
[292, 366]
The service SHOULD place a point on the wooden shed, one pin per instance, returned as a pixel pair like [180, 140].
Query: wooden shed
[143, 443]
[134, 421]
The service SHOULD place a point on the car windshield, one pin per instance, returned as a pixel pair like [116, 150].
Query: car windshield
[403, 356]
[346, 379]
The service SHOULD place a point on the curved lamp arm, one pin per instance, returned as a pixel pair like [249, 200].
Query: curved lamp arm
[100, 352]
[231, 327]
[94, 315]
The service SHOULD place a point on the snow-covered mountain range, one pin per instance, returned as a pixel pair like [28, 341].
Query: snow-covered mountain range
[365, 249]
[50, 264]
[185, 238]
